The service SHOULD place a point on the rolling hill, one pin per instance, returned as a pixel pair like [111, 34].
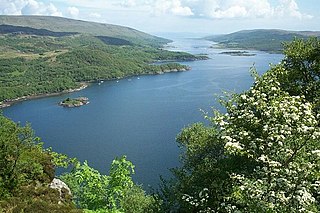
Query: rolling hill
[43, 55]
[268, 40]
[59, 24]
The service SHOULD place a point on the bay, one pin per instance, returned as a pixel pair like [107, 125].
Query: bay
[140, 116]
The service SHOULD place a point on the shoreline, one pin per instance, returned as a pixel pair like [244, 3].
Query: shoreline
[11, 102]
[84, 85]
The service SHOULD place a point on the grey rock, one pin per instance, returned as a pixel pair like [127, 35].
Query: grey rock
[61, 186]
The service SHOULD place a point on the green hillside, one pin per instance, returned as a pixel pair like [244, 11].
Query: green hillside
[38, 61]
[262, 39]
[59, 24]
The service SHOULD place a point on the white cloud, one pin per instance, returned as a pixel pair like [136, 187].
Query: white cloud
[240, 9]
[231, 12]
[94, 4]
[51, 10]
[219, 9]
[225, 9]
[33, 7]
[290, 8]
[174, 7]
[211, 9]
[73, 12]
[10, 7]
[28, 7]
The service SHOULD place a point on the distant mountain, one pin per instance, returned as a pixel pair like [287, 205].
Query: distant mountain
[260, 39]
[65, 25]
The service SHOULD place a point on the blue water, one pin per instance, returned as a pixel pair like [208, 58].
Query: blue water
[140, 116]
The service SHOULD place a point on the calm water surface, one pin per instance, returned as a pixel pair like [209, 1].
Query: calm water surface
[140, 116]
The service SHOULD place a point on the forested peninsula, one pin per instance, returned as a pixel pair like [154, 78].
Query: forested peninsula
[44, 55]
[268, 40]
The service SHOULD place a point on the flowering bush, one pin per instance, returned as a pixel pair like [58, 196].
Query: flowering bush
[263, 154]
[280, 134]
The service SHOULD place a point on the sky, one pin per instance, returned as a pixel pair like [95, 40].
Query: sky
[203, 17]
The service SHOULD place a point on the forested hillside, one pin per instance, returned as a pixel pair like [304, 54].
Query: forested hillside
[262, 39]
[40, 61]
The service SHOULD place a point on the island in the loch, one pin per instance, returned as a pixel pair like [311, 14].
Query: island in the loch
[74, 102]
[238, 53]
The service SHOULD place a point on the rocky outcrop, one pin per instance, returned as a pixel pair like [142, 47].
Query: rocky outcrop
[62, 187]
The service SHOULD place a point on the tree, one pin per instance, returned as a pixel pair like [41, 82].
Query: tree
[302, 65]
[22, 158]
[262, 155]
[26, 169]
[114, 193]
[278, 135]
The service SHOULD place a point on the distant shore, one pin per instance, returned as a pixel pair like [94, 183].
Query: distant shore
[84, 85]
[9, 103]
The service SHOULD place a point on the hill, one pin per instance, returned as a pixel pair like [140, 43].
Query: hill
[59, 24]
[50, 57]
[268, 40]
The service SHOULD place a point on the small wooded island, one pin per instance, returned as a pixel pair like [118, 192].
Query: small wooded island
[238, 53]
[74, 102]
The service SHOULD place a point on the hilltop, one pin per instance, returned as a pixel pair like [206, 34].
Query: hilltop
[60, 24]
[269, 40]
